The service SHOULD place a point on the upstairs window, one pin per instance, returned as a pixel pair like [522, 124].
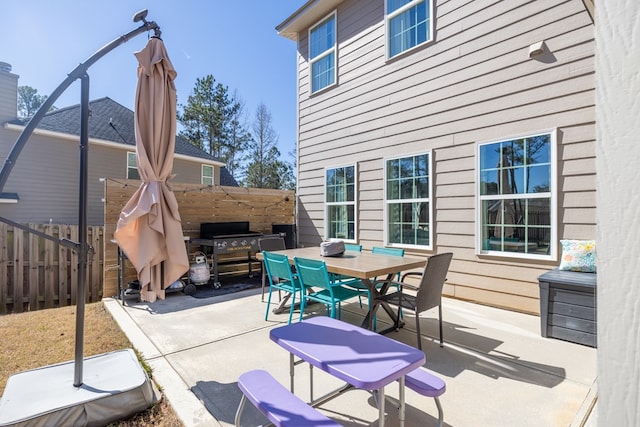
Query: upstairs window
[340, 203]
[409, 24]
[408, 201]
[207, 175]
[322, 54]
[516, 196]
[132, 166]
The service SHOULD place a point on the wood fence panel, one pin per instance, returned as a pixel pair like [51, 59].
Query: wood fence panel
[50, 283]
[37, 273]
[18, 271]
[72, 234]
[4, 277]
[96, 264]
[64, 290]
[198, 204]
[34, 267]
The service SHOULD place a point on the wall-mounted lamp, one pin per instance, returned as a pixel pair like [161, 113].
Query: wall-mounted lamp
[536, 49]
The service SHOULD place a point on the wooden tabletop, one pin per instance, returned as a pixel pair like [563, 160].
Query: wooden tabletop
[363, 265]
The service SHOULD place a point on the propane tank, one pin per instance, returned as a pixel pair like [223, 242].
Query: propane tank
[199, 271]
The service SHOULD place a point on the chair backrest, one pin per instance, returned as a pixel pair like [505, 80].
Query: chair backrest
[277, 266]
[312, 273]
[271, 244]
[435, 274]
[352, 247]
[387, 251]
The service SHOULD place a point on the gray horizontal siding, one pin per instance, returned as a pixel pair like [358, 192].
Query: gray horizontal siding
[46, 178]
[475, 82]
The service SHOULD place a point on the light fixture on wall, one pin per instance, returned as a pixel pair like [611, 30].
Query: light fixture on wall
[536, 49]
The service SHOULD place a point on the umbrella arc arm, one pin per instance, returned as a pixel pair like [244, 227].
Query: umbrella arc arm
[74, 75]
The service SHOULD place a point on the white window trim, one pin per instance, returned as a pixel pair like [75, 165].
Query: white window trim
[129, 153]
[333, 50]
[202, 176]
[388, 17]
[553, 215]
[354, 203]
[385, 226]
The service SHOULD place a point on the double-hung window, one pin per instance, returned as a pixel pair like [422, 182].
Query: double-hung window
[322, 53]
[409, 23]
[516, 196]
[408, 201]
[207, 175]
[132, 166]
[340, 203]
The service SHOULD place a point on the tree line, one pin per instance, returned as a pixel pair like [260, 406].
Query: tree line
[216, 121]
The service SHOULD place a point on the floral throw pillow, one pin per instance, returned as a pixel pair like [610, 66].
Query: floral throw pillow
[578, 255]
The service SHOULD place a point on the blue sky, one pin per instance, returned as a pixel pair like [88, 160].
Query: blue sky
[235, 41]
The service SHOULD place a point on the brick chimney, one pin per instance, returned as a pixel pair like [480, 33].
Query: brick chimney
[8, 93]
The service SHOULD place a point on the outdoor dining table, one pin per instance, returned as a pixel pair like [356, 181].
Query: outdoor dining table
[360, 357]
[362, 265]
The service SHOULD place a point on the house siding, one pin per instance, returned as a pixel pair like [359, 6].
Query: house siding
[474, 83]
[46, 178]
[45, 175]
[9, 91]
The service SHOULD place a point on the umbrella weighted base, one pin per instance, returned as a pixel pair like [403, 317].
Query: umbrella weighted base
[115, 387]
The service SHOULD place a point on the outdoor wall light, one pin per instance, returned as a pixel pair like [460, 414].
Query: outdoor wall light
[536, 49]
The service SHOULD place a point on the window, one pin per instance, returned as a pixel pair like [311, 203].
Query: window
[408, 24]
[322, 53]
[340, 202]
[132, 166]
[207, 175]
[408, 201]
[516, 201]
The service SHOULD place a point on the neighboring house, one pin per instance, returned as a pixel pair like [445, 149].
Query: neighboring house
[436, 126]
[44, 183]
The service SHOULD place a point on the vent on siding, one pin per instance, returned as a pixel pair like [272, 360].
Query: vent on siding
[5, 68]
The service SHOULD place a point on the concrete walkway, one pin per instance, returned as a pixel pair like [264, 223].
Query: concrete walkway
[498, 369]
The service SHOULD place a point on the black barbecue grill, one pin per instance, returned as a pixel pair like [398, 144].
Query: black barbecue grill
[222, 238]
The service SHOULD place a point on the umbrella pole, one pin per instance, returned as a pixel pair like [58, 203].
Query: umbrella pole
[82, 228]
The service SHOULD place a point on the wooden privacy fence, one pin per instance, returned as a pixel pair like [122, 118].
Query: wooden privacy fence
[37, 273]
[198, 204]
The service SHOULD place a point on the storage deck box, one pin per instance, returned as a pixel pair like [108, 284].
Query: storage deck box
[568, 306]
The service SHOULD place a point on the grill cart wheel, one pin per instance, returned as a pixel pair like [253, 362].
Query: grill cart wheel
[190, 289]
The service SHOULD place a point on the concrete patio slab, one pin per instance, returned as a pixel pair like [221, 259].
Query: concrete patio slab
[498, 369]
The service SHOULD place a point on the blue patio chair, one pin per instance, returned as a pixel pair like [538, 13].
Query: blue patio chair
[281, 278]
[269, 244]
[362, 288]
[348, 280]
[317, 286]
[388, 251]
[393, 252]
[352, 247]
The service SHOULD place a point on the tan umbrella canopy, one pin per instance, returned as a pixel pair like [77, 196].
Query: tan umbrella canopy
[149, 229]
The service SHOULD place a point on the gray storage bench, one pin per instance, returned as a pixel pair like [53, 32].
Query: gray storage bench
[568, 306]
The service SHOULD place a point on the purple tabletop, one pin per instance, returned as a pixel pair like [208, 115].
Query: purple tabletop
[360, 357]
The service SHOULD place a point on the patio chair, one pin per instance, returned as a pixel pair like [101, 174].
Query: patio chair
[348, 280]
[313, 274]
[281, 278]
[388, 251]
[428, 295]
[362, 288]
[269, 244]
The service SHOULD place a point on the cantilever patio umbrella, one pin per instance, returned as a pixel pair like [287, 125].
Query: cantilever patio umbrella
[149, 230]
